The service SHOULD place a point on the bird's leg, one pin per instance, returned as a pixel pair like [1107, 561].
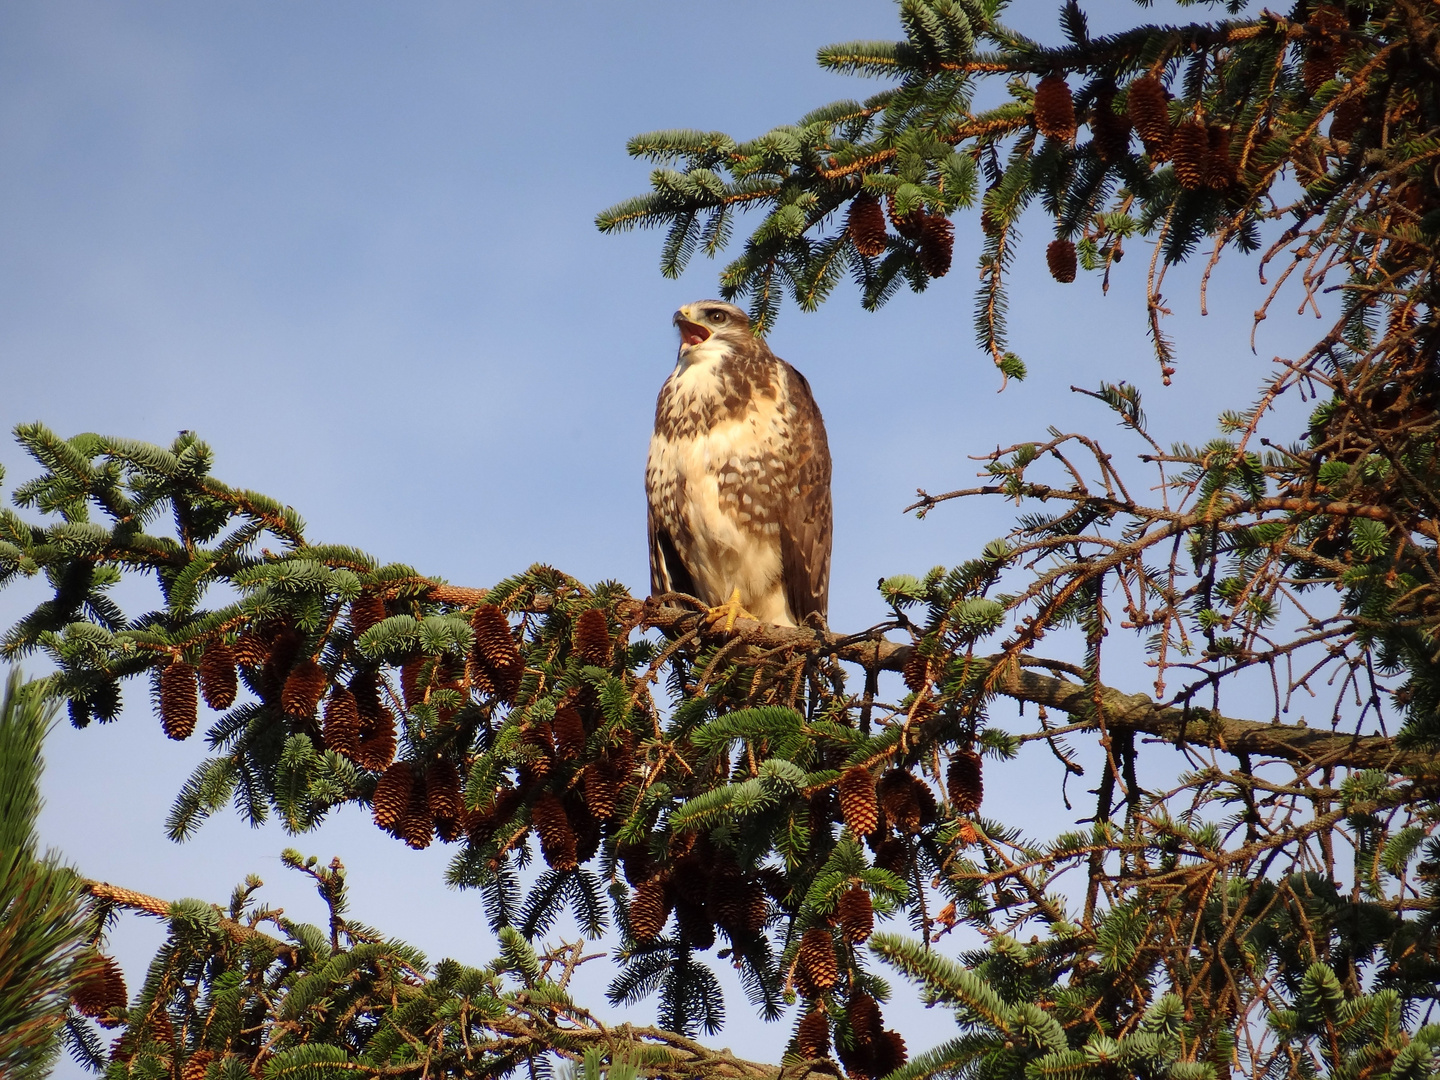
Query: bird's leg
[728, 612]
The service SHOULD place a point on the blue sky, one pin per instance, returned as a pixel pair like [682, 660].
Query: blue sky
[352, 245]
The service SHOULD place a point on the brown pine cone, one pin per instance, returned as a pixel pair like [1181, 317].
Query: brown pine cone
[636, 863]
[862, 1013]
[1149, 110]
[1110, 130]
[569, 731]
[1055, 109]
[965, 782]
[197, 1065]
[342, 723]
[178, 701]
[898, 796]
[557, 836]
[218, 681]
[648, 909]
[907, 225]
[251, 649]
[1346, 120]
[99, 988]
[416, 827]
[1189, 149]
[1220, 172]
[865, 222]
[377, 745]
[916, 671]
[592, 637]
[937, 244]
[304, 687]
[858, 803]
[891, 855]
[284, 648]
[366, 610]
[889, 1053]
[1060, 258]
[392, 795]
[443, 797]
[600, 790]
[493, 641]
[693, 922]
[817, 959]
[588, 831]
[812, 1037]
[857, 914]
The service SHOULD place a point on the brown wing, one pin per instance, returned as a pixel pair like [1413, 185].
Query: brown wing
[806, 528]
[667, 569]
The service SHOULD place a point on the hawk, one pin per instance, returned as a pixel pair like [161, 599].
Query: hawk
[738, 480]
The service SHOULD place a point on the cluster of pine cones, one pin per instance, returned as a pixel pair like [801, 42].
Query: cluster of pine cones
[932, 234]
[703, 887]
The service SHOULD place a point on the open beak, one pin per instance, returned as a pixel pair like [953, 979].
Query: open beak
[691, 333]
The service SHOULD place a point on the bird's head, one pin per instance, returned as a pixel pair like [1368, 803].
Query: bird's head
[709, 329]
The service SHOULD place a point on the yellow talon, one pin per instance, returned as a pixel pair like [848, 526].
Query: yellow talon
[729, 611]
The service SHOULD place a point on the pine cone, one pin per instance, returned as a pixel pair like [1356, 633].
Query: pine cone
[416, 827]
[569, 731]
[889, 1053]
[817, 959]
[557, 837]
[916, 671]
[493, 641]
[366, 610]
[937, 244]
[600, 790]
[1060, 258]
[178, 702]
[862, 1013]
[284, 647]
[588, 833]
[218, 681]
[648, 909]
[857, 914]
[1109, 130]
[392, 795]
[858, 804]
[1055, 109]
[965, 782]
[100, 987]
[1149, 111]
[892, 856]
[442, 791]
[907, 225]
[197, 1065]
[694, 924]
[251, 649]
[342, 723]
[304, 687]
[592, 637]
[377, 742]
[1220, 172]
[1347, 118]
[812, 1037]
[866, 225]
[1189, 149]
[898, 796]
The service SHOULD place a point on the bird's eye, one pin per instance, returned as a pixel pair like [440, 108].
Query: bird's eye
[717, 317]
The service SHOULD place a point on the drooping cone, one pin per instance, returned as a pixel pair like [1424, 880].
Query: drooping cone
[392, 795]
[592, 637]
[1055, 109]
[889, 1053]
[817, 959]
[1149, 111]
[218, 681]
[897, 794]
[410, 688]
[588, 831]
[863, 1014]
[304, 687]
[100, 987]
[284, 648]
[1346, 119]
[1322, 58]
[694, 924]
[366, 610]
[600, 790]
[493, 641]
[812, 1037]
[648, 909]
[916, 671]
[377, 723]
[557, 837]
[178, 701]
[1060, 258]
[1109, 129]
[937, 244]
[858, 804]
[1220, 173]
[251, 649]
[342, 723]
[569, 731]
[442, 791]
[857, 914]
[866, 225]
[1189, 149]
[892, 856]
[416, 827]
[907, 225]
[965, 782]
[197, 1065]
